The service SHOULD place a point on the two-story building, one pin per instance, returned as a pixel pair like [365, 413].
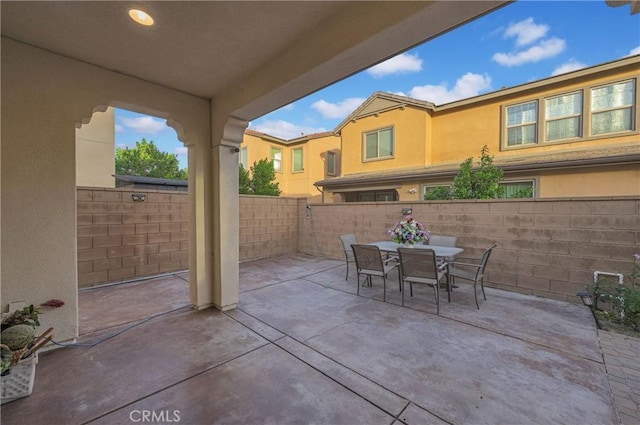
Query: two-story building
[571, 135]
[298, 163]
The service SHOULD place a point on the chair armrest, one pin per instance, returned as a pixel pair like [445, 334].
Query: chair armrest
[458, 263]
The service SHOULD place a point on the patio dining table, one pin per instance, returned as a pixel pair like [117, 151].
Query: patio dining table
[443, 253]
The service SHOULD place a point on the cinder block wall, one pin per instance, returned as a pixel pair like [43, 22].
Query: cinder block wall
[119, 239]
[268, 226]
[546, 247]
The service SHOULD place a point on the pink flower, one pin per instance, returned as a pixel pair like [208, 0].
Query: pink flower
[636, 255]
[53, 303]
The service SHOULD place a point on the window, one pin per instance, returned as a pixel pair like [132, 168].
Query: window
[432, 192]
[612, 108]
[378, 144]
[518, 189]
[242, 158]
[378, 196]
[522, 121]
[276, 158]
[331, 162]
[563, 115]
[296, 160]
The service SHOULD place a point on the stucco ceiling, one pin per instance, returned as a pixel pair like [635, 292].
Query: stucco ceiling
[221, 49]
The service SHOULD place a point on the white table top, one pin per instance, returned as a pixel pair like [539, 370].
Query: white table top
[440, 251]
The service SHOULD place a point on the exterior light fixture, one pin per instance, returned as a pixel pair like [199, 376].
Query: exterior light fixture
[587, 299]
[142, 18]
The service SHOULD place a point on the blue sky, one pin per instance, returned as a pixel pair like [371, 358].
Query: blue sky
[522, 42]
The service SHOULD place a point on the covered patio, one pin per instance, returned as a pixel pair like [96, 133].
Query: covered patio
[302, 348]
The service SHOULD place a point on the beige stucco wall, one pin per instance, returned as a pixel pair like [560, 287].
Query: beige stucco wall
[95, 151]
[461, 132]
[38, 171]
[411, 141]
[623, 180]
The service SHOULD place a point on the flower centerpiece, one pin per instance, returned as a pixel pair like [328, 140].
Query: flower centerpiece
[408, 232]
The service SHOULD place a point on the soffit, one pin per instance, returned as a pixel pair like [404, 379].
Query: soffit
[195, 47]
[251, 57]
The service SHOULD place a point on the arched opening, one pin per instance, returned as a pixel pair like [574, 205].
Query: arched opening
[132, 218]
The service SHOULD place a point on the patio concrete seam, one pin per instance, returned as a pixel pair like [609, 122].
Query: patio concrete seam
[215, 366]
[334, 361]
[396, 417]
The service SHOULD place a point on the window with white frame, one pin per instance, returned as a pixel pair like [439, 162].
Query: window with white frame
[563, 116]
[332, 168]
[378, 144]
[242, 158]
[432, 192]
[612, 107]
[522, 122]
[518, 189]
[296, 160]
[276, 158]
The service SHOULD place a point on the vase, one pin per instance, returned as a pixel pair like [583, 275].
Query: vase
[407, 245]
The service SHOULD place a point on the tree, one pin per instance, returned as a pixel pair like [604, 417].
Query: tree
[259, 180]
[263, 178]
[146, 160]
[480, 183]
[244, 182]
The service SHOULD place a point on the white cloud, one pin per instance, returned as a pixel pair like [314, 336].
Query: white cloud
[526, 31]
[568, 66]
[119, 128]
[634, 51]
[468, 85]
[182, 150]
[404, 63]
[285, 130]
[337, 110]
[543, 50]
[147, 125]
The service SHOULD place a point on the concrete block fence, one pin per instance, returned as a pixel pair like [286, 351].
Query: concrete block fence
[121, 239]
[546, 247]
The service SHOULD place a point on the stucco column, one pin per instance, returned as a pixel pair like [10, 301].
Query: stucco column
[225, 205]
[200, 256]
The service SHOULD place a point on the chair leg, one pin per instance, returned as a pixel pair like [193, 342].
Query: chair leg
[475, 294]
[448, 288]
[436, 289]
[384, 288]
[358, 284]
[482, 286]
[402, 290]
[347, 278]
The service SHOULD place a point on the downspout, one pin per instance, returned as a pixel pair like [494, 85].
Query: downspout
[319, 190]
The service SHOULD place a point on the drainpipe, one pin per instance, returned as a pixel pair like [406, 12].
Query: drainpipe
[319, 190]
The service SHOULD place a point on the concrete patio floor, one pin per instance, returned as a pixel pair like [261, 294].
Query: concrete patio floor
[302, 348]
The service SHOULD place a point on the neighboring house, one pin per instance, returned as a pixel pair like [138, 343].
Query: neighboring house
[572, 135]
[95, 152]
[298, 163]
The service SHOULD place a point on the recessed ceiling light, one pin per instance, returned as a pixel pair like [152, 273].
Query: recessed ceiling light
[143, 18]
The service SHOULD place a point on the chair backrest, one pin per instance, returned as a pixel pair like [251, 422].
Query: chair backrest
[368, 257]
[440, 240]
[418, 263]
[348, 240]
[485, 257]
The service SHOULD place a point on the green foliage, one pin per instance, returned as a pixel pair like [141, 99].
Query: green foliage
[619, 303]
[482, 182]
[244, 183]
[522, 193]
[438, 193]
[259, 180]
[146, 160]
